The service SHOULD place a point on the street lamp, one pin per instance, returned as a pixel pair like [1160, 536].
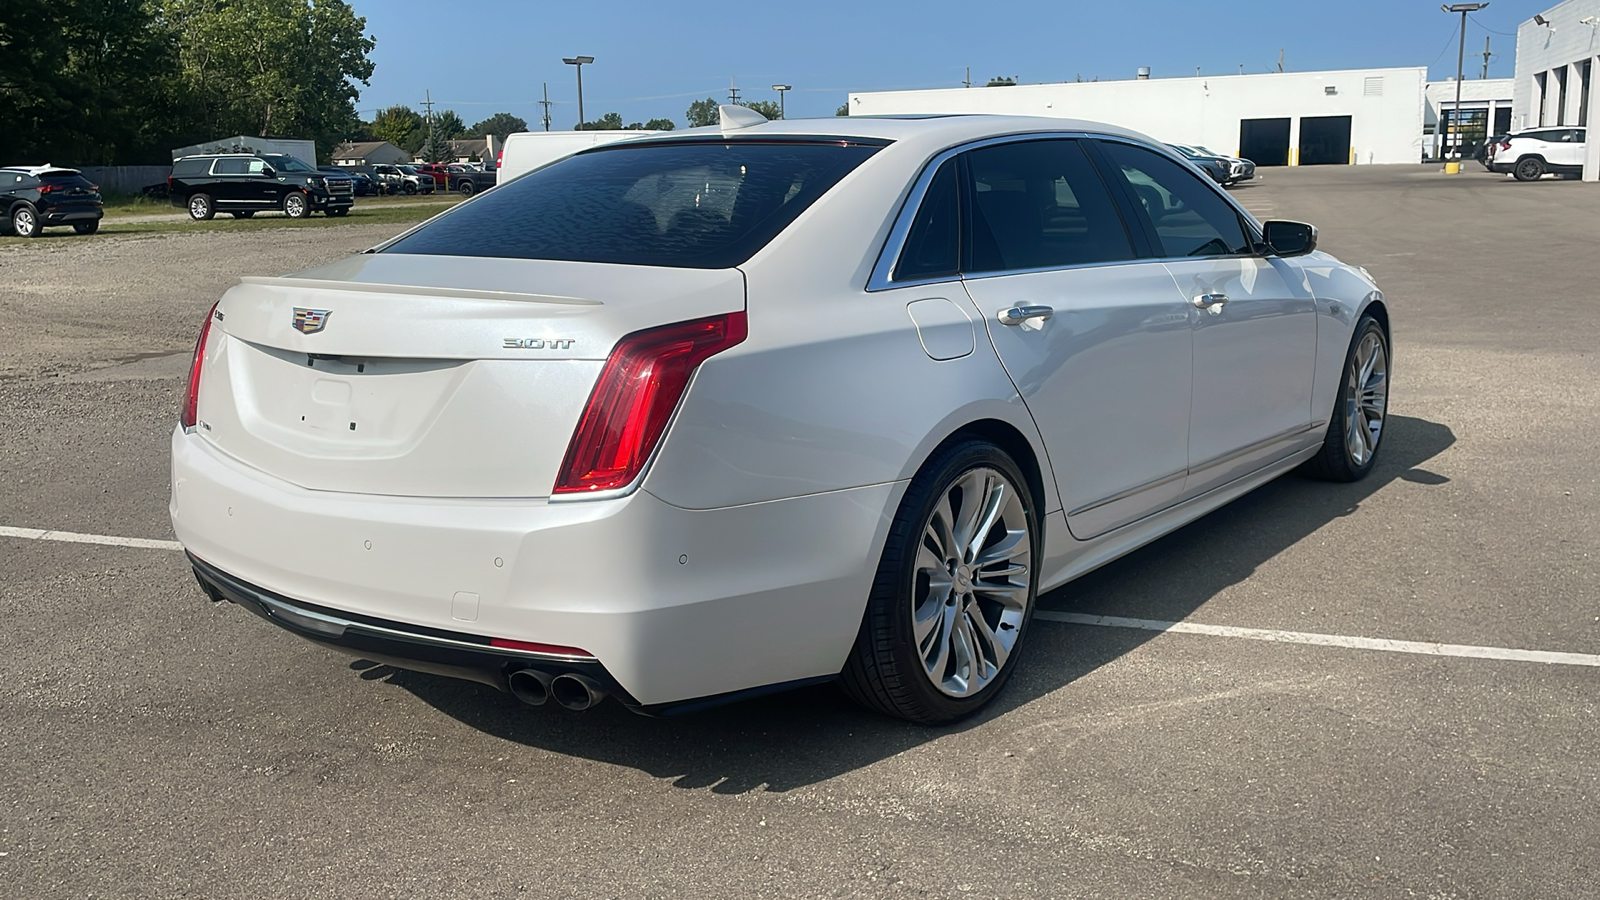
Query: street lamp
[579, 61]
[1461, 59]
[780, 88]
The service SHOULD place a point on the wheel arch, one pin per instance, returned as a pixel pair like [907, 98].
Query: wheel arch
[1007, 437]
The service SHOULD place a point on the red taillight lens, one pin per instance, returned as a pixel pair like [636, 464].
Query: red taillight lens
[51, 188]
[499, 159]
[643, 379]
[534, 647]
[191, 394]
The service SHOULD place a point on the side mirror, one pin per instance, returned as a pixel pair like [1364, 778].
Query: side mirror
[1289, 238]
[268, 171]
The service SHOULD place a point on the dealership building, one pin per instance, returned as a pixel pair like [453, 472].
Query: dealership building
[1360, 116]
[1557, 54]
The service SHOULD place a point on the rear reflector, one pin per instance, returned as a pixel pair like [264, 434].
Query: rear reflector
[191, 394]
[643, 380]
[533, 647]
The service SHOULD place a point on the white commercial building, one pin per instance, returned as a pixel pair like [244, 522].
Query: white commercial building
[1486, 110]
[1285, 118]
[1557, 53]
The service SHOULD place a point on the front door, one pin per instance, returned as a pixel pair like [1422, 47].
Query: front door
[1096, 341]
[1254, 322]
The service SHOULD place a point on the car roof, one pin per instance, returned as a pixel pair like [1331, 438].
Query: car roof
[41, 170]
[930, 132]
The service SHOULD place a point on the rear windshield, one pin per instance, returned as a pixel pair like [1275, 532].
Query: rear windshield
[699, 205]
[69, 178]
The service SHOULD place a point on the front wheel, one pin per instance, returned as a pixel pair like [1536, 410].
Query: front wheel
[25, 222]
[954, 591]
[1530, 169]
[295, 206]
[1354, 435]
[410, 188]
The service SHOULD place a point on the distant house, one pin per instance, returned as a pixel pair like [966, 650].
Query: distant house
[368, 153]
[472, 149]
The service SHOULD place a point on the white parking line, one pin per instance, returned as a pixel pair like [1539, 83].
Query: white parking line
[72, 537]
[1468, 651]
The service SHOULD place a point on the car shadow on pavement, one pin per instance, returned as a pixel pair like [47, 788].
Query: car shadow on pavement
[803, 737]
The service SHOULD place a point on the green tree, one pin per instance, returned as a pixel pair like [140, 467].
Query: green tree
[766, 108]
[611, 121]
[702, 113]
[1001, 81]
[271, 67]
[401, 126]
[447, 126]
[843, 110]
[499, 125]
[660, 125]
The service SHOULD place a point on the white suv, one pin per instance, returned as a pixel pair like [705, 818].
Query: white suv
[1533, 154]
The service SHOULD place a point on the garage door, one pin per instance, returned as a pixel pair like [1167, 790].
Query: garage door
[1325, 141]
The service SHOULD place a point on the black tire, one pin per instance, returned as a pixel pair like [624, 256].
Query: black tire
[296, 205]
[885, 671]
[25, 221]
[1336, 461]
[243, 214]
[86, 227]
[466, 187]
[1529, 168]
[202, 207]
[410, 188]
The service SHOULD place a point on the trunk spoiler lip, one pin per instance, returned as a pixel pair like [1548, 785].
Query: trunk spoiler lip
[291, 281]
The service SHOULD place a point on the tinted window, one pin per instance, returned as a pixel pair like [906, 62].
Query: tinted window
[1040, 204]
[233, 165]
[71, 179]
[933, 245]
[701, 204]
[186, 167]
[1186, 214]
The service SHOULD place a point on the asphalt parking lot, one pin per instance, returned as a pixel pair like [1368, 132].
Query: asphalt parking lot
[155, 745]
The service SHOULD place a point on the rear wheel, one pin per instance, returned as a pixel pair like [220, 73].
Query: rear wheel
[1354, 435]
[466, 187]
[201, 208]
[954, 590]
[25, 221]
[1529, 169]
[86, 227]
[295, 206]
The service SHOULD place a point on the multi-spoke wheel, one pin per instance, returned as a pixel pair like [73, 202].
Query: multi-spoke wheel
[954, 590]
[1356, 430]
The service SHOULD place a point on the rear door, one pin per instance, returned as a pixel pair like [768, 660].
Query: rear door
[1104, 364]
[1254, 322]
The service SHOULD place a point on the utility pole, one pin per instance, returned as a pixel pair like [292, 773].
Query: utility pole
[428, 102]
[1486, 55]
[1461, 59]
[1280, 59]
[546, 104]
[968, 81]
[733, 92]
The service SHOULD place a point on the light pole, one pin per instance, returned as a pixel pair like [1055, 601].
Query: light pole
[579, 61]
[780, 88]
[1461, 61]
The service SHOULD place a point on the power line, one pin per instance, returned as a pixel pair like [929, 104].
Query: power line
[1448, 41]
[1491, 30]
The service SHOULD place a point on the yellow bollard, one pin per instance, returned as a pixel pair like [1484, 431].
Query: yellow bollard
[1452, 168]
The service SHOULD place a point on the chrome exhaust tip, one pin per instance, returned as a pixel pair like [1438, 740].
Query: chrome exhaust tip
[576, 692]
[531, 686]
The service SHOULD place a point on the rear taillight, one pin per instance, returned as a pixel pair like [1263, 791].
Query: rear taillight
[643, 380]
[191, 394]
[499, 159]
[51, 188]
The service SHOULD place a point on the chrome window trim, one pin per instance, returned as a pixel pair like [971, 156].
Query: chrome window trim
[883, 268]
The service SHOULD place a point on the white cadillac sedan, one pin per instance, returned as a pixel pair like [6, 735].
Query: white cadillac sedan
[699, 416]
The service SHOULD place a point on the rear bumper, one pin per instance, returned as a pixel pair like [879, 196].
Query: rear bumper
[69, 216]
[674, 605]
[1502, 168]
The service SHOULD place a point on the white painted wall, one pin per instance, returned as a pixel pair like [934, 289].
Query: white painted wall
[1386, 127]
[1558, 48]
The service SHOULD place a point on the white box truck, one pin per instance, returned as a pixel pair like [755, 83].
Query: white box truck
[528, 150]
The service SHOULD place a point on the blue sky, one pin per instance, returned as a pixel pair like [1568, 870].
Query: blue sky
[653, 59]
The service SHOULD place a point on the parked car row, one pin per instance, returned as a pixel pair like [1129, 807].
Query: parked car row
[1224, 170]
[459, 177]
[33, 198]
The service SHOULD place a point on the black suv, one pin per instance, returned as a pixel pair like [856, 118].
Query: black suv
[35, 197]
[244, 184]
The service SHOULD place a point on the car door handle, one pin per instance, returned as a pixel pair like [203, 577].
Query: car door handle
[1016, 315]
[1212, 303]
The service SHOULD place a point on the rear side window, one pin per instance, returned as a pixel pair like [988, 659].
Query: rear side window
[1187, 216]
[186, 167]
[1040, 204]
[233, 165]
[701, 204]
[933, 245]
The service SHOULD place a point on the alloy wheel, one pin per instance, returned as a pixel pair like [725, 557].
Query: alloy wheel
[1367, 399]
[971, 582]
[24, 223]
[294, 206]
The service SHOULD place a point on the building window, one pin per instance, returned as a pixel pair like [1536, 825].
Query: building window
[1540, 81]
[1561, 95]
